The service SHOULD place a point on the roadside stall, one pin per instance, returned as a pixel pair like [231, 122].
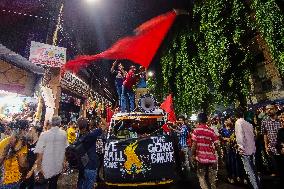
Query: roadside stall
[19, 81]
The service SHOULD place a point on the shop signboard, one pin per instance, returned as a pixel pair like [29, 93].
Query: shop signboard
[139, 160]
[47, 55]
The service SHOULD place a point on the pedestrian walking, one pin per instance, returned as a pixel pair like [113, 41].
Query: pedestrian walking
[88, 138]
[51, 152]
[246, 146]
[204, 146]
[269, 128]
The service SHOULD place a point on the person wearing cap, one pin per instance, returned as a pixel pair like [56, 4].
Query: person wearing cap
[87, 176]
[127, 90]
[13, 155]
[141, 84]
[204, 146]
[269, 129]
[50, 150]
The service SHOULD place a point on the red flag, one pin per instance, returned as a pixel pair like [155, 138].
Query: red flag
[109, 114]
[139, 48]
[168, 106]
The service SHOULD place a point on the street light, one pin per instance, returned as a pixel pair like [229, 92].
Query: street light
[150, 74]
[91, 1]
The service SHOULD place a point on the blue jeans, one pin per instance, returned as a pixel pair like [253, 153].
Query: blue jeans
[10, 186]
[87, 179]
[118, 87]
[127, 95]
[249, 166]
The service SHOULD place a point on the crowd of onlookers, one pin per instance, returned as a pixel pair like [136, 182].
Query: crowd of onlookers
[249, 143]
[33, 155]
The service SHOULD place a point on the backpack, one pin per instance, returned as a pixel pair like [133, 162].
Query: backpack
[76, 154]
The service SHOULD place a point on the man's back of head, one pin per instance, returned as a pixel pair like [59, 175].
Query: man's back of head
[56, 121]
[239, 113]
[83, 124]
[202, 118]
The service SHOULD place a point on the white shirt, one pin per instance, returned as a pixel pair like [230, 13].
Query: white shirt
[52, 144]
[245, 136]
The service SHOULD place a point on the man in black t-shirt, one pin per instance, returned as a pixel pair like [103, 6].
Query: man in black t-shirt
[120, 73]
[87, 176]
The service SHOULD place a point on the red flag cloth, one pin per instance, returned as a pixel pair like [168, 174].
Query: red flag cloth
[166, 128]
[167, 105]
[139, 48]
[109, 114]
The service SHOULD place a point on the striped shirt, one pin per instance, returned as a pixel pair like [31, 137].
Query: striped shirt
[205, 139]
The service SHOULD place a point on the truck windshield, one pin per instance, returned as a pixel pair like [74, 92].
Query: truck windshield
[135, 128]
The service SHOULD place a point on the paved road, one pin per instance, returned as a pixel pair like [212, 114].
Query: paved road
[68, 182]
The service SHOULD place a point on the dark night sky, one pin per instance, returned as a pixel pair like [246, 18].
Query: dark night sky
[87, 28]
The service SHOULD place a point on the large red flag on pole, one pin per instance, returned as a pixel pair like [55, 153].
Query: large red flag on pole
[139, 48]
[168, 107]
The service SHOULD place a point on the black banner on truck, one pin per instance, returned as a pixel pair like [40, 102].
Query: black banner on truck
[140, 160]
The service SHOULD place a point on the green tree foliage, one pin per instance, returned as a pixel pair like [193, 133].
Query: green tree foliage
[270, 23]
[209, 61]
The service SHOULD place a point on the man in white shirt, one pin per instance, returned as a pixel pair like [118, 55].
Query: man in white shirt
[51, 152]
[246, 146]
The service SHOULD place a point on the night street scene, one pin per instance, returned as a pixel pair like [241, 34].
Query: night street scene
[169, 94]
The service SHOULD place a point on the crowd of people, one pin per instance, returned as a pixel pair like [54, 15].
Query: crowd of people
[34, 156]
[250, 144]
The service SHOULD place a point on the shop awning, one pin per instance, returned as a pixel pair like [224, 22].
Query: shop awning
[17, 74]
[17, 60]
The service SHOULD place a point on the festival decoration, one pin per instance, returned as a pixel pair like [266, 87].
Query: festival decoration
[140, 48]
[49, 101]
[47, 55]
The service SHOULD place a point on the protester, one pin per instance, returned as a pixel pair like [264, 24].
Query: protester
[119, 78]
[13, 155]
[205, 143]
[246, 145]
[71, 133]
[141, 84]
[51, 151]
[183, 135]
[127, 90]
[269, 128]
[88, 175]
[32, 138]
[227, 133]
